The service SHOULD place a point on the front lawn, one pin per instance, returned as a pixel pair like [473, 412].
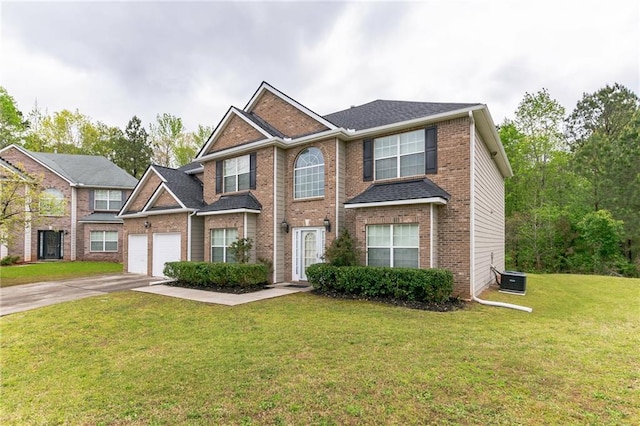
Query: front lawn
[50, 271]
[136, 358]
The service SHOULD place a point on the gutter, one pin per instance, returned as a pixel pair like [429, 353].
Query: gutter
[472, 141]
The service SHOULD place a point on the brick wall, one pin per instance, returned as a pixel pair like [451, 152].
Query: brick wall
[236, 131]
[286, 118]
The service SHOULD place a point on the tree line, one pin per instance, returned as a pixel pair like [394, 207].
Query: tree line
[166, 143]
[573, 204]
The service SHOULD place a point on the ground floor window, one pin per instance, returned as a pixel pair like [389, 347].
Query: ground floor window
[104, 241]
[393, 245]
[220, 241]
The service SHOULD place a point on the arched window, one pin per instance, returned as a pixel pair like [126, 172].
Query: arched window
[52, 203]
[308, 180]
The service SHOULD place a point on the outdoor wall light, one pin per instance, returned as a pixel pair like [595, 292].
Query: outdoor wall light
[284, 226]
[327, 224]
[147, 224]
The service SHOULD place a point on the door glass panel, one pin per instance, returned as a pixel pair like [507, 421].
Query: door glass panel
[310, 249]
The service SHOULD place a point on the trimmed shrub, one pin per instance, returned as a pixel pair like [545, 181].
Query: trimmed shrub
[206, 274]
[421, 285]
[9, 260]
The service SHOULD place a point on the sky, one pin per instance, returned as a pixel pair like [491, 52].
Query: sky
[114, 60]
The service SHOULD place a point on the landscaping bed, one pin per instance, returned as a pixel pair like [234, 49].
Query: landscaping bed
[449, 305]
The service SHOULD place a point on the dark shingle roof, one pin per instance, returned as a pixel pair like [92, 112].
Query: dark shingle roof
[87, 170]
[101, 218]
[233, 202]
[189, 167]
[400, 191]
[262, 124]
[380, 113]
[186, 187]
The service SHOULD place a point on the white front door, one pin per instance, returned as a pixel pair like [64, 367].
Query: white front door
[166, 248]
[308, 248]
[137, 254]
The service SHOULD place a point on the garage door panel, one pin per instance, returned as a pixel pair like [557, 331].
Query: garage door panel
[166, 248]
[137, 254]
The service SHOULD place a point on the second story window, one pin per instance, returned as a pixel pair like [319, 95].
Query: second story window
[107, 200]
[399, 155]
[309, 174]
[236, 174]
[52, 203]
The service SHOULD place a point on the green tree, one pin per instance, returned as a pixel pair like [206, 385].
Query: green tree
[12, 123]
[188, 145]
[133, 151]
[19, 202]
[534, 143]
[342, 251]
[601, 235]
[166, 134]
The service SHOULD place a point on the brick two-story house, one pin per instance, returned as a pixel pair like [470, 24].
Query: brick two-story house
[417, 184]
[76, 217]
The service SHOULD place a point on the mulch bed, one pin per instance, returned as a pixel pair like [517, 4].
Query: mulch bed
[453, 304]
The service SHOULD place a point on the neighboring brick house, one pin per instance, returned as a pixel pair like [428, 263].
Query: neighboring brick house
[417, 184]
[78, 207]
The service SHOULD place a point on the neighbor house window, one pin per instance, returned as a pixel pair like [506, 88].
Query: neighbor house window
[236, 174]
[399, 155]
[393, 245]
[107, 200]
[52, 203]
[308, 173]
[220, 241]
[104, 241]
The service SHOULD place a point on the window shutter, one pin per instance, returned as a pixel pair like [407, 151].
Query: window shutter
[367, 160]
[431, 150]
[123, 198]
[252, 170]
[218, 176]
[91, 200]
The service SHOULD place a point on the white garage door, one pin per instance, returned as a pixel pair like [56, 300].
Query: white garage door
[137, 254]
[166, 248]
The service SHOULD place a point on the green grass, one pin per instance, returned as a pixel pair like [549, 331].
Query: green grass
[134, 358]
[48, 271]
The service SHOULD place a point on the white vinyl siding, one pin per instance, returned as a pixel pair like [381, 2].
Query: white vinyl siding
[104, 241]
[489, 232]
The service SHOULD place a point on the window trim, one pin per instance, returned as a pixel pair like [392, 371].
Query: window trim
[297, 168]
[236, 174]
[398, 156]
[108, 199]
[104, 242]
[391, 246]
[224, 248]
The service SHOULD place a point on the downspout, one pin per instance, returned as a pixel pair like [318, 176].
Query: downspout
[337, 188]
[275, 214]
[74, 221]
[472, 142]
[189, 232]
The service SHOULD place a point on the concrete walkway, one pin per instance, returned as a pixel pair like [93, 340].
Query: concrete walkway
[24, 297]
[228, 299]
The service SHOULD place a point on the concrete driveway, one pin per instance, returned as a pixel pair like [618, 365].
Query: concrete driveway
[20, 298]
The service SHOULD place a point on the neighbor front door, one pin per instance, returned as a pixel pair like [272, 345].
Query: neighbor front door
[50, 244]
[308, 248]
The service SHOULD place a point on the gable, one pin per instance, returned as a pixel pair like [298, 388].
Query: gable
[163, 199]
[142, 194]
[235, 130]
[285, 117]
